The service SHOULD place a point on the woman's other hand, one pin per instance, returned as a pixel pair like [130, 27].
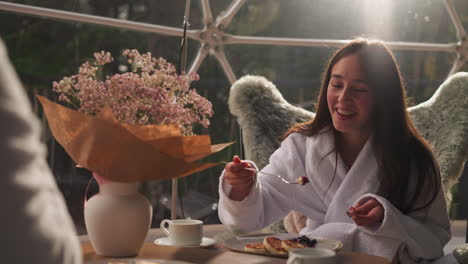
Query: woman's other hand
[367, 212]
[239, 178]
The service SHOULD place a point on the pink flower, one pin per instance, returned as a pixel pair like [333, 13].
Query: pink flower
[103, 57]
[151, 93]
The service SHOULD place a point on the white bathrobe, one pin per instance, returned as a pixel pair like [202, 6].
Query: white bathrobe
[416, 238]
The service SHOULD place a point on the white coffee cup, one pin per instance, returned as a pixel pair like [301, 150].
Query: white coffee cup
[312, 256]
[183, 232]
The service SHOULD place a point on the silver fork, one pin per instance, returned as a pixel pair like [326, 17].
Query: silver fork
[279, 176]
[302, 180]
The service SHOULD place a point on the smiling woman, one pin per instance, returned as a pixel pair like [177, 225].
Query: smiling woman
[350, 102]
[360, 151]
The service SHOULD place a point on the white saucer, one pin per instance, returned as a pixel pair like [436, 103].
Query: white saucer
[164, 241]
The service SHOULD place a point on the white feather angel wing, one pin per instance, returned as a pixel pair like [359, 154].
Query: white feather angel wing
[443, 122]
[263, 115]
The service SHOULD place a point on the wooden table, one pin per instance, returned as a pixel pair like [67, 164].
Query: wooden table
[214, 254]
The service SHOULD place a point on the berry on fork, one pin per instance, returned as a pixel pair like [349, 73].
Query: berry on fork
[303, 180]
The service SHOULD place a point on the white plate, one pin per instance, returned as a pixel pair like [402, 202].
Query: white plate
[138, 261]
[237, 243]
[164, 241]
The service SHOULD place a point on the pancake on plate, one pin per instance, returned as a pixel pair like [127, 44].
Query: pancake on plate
[256, 247]
[300, 242]
[273, 245]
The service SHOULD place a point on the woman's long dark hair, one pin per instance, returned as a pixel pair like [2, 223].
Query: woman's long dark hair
[399, 148]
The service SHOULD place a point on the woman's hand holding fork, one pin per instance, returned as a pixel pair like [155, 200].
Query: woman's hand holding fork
[239, 178]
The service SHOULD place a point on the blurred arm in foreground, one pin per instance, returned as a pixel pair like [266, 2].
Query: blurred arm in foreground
[35, 224]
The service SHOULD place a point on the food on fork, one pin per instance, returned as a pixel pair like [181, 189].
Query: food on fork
[300, 242]
[303, 180]
[273, 245]
[256, 247]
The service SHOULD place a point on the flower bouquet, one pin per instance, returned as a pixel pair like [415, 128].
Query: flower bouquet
[150, 93]
[132, 126]
[129, 127]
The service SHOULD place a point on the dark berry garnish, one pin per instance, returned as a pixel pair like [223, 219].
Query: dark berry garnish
[306, 241]
[303, 180]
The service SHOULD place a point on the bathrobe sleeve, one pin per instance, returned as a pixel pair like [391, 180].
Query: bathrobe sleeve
[270, 199]
[415, 237]
[422, 234]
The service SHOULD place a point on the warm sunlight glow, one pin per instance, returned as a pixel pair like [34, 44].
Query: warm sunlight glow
[377, 18]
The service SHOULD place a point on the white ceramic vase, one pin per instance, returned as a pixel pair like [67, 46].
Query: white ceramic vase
[117, 219]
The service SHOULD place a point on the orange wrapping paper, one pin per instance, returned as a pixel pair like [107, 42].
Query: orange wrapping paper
[127, 153]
